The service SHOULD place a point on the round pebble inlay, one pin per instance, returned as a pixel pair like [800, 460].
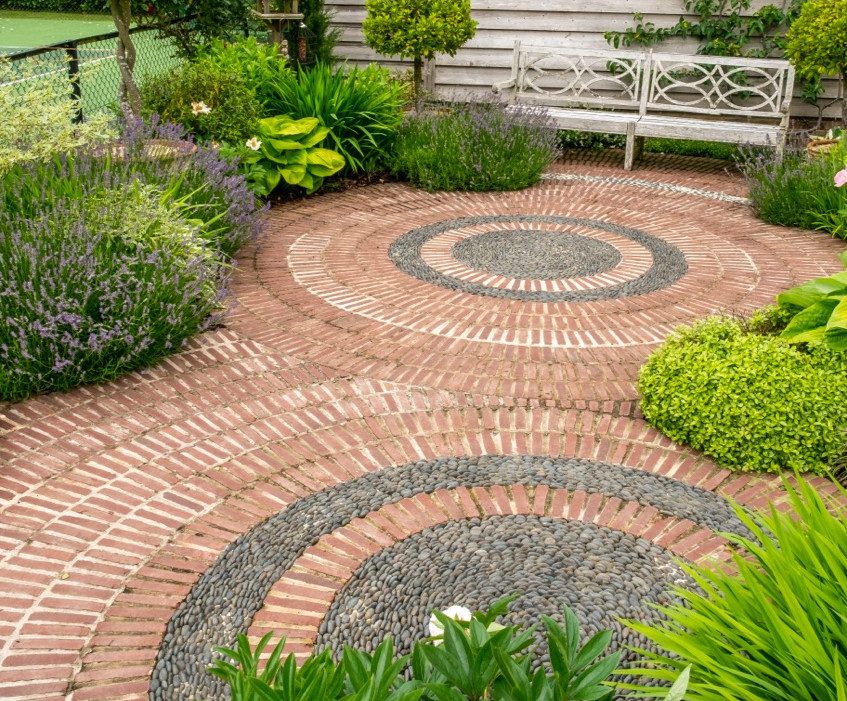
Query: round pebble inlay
[669, 263]
[537, 255]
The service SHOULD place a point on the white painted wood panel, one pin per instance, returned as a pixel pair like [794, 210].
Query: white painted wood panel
[486, 59]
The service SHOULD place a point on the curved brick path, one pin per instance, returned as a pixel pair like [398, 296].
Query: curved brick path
[115, 499]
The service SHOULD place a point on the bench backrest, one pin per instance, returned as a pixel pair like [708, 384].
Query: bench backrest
[718, 85]
[645, 81]
[590, 77]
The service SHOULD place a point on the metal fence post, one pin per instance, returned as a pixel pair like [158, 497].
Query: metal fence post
[73, 75]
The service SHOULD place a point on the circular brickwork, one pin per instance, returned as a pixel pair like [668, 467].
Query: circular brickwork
[601, 574]
[538, 255]
[228, 594]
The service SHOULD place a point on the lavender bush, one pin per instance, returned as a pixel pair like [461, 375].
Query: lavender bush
[110, 259]
[475, 147]
[98, 287]
[798, 190]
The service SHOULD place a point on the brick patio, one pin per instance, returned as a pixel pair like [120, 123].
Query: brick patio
[337, 364]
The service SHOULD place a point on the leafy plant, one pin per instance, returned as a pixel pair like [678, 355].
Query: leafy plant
[361, 108]
[418, 29]
[817, 43]
[772, 627]
[319, 35]
[473, 658]
[261, 66]
[819, 309]
[751, 402]
[288, 150]
[38, 117]
[797, 190]
[215, 102]
[475, 147]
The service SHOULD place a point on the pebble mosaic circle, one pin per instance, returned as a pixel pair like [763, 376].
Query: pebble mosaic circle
[537, 255]
[600, 573]
[228, 595]
[542, 256]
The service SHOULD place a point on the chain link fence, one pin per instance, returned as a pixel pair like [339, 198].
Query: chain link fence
[87, 68]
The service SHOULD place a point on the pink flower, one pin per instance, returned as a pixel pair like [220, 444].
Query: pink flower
[841, 178]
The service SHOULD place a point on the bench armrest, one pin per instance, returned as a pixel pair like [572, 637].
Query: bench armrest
[505, 85]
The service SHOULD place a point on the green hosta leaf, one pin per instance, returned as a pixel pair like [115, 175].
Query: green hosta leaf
[836, 328]
[315, 137]
[293, 174]
[324, 162]
[285, 144]
[809, 325]
[810, 293]
[283, 125]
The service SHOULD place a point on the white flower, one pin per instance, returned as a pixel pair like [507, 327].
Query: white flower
[457, 613]
[253, 144]
[200, 108]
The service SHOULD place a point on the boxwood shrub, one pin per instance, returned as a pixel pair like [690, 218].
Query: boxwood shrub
[750, 401]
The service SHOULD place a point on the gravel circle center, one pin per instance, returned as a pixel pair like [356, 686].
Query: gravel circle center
[537, 255]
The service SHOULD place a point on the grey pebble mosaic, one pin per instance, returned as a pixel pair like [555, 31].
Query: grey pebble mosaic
[227, 596]
[669, 263]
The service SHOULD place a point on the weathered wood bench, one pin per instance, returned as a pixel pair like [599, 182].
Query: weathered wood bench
[642, 94]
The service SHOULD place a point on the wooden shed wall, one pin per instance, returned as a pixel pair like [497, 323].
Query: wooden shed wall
[486, 58]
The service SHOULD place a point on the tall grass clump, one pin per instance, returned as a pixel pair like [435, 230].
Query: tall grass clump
[798, 190]
[111, 259]
[475, 147]
[362, 108]
[771, 627]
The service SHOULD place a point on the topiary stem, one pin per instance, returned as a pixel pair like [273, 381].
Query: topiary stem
[418, 79]
[122, 15]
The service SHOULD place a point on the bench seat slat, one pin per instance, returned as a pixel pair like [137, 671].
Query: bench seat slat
[592, 120]
[708, 130]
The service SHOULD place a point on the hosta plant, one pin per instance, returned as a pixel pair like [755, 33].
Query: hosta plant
[820, 310]
[289, 150]
[770, 628]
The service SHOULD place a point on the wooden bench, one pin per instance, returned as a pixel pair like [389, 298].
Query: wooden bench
[642, 93]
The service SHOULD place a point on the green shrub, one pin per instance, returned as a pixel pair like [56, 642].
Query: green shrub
[261, 66]
[797, 190]
[751, 402]
[320, 36]
[38, 120]
[362, 108]
[214, 102]
[474, 658]
[817, 42]
[771, 629]
[475, 147]
[99, 287]
[418, 29]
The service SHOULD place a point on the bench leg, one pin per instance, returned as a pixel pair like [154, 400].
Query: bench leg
[634, 146]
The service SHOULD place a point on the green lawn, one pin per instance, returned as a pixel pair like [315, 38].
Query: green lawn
[26, 30]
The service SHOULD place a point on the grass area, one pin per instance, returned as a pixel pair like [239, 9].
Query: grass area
[21, 30]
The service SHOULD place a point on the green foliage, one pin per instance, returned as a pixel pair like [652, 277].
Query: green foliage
[797, 190]
[418, 28]
[37, 120]
[261, 65]
[321, 37]
[475, 147]
[234, 109]
[473, 660]
[361, 108]
[288, 150]
[772, 627]
[101, 286]
[819, 311]
[682, 147]
[724, 28]
[817, 40]
[751, 402]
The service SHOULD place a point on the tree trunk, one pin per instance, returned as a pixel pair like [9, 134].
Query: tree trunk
[418, 78]
[122, 15]
[842, 91]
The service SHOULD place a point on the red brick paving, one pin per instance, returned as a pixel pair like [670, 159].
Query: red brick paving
[115, 498]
